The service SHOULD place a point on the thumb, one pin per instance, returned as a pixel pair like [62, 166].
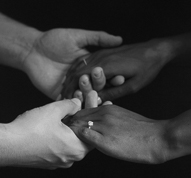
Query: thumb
[100, 39]
[68, 107]
[72, 106]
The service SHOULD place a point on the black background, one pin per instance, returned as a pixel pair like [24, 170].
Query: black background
[135, 21]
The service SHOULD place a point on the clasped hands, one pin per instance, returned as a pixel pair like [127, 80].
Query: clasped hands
[117, 132]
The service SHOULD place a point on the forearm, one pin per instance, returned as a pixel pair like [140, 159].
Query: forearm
[178, 136]
[15, 148]
[7, 147]
[16, 40]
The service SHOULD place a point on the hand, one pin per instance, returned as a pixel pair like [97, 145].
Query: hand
[96, 82]
[53, 53]
[138, 63]
[122, 134]
[41, 140]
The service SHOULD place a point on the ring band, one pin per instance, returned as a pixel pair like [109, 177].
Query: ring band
[90, 124]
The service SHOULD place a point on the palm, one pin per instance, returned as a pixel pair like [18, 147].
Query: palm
[50, 58]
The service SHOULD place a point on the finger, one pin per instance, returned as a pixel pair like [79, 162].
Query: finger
[90, 136]
[101, 39]
[118, 80]
[70, 107]
[107, 103]
[98, 78]
[112, 93]
[91, 99]
[78, 94]
[84, 84]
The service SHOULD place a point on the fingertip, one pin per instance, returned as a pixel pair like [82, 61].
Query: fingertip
[118, 80]
[91, 99]
[78, 94]
[93, 93]
[84, 79]
[84, 84]
[119, 38]
[107, 103]
[96, 72]
[77, 102]
[98, 78]
[106, 39]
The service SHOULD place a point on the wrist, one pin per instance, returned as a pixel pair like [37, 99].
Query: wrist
[16, 40]
[178, 136]
[163, 50]
[174, 47]
[26, 44]
[158, 145]
[8, 147]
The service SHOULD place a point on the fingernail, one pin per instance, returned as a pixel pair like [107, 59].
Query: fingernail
[79, 96]
[85, 81]
[76, 101]
[97, 73]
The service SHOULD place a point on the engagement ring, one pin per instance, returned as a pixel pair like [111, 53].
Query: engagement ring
[90, 124]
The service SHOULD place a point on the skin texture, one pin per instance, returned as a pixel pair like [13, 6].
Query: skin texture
[138, 63]
[126, 135]
[96, 82]
[54, 51]
[39, 139]
[122, 134]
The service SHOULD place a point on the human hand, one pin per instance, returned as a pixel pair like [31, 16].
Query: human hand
[138, 63]
[96, 82]
[55, 51]
[122, 134]
[41, 140]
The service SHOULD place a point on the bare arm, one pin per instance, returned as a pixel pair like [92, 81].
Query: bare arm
[46, 56]
[178, 135]
[126, 135]
[138, 63]
[16, 40]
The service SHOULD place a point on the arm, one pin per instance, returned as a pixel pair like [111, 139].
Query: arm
[126, 135]
[46, 56]
[38, 138]
[16, 40]
[138, 63]
[179, 135]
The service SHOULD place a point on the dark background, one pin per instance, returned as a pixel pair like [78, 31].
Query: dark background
[135, 21]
